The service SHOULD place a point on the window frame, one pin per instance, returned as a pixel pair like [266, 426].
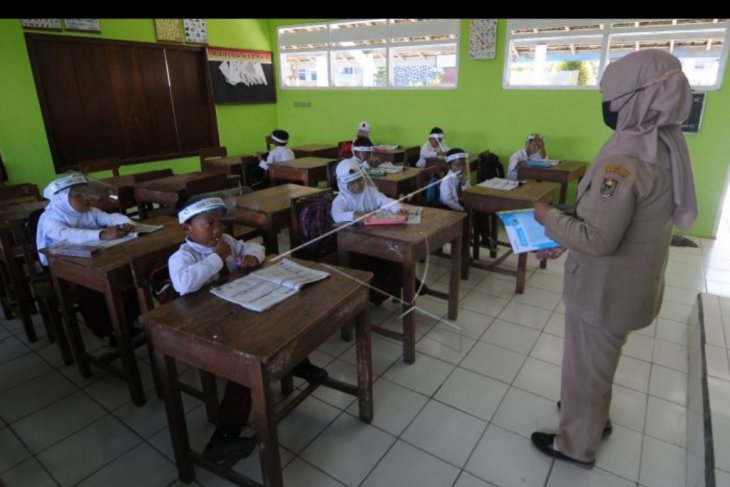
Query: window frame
[331, 48]
[608, 33]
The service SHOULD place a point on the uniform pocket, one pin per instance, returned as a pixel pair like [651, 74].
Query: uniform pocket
[571, 265]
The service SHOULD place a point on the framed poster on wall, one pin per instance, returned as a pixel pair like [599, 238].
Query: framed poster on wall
[241, 75]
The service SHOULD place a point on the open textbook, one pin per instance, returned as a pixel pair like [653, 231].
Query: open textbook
[92, 248]
[524, 232]
[499, 183]
[260, 290]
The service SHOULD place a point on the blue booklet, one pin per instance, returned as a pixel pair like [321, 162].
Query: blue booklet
[524, 232]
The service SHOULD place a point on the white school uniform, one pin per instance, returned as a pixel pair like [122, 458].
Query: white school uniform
[427, 150]
[193, 265]
[279, 153]
[521, 155]
[449, 192]
[347, 203]
[60, 222]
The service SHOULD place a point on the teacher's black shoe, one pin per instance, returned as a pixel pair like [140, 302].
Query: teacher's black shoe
[224, 447]
[607, 430]
[544, 443]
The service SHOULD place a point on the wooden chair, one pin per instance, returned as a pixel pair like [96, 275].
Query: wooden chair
[49, 305]
[3, 172]
[150, 175]
[104, 164]
[142, 268]
[340, 145]
[412, 155]
[323, 250]
[19, 193]
[211, 152]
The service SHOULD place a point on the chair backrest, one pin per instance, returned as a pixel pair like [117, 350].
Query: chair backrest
[3, 172]
[489, 166]
[412, 155]
[104, 164]
[332, 175]
[152, 277]
[210, 152]
[427, 178]
[311, 217]
[150, 175]
[19, 193]
[30, 250]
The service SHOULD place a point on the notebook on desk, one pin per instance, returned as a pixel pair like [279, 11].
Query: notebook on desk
[385, 218]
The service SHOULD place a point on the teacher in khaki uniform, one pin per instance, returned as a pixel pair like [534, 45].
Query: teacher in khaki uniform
[638, 187]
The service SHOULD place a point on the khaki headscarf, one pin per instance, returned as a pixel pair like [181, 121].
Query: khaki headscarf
[657, 100]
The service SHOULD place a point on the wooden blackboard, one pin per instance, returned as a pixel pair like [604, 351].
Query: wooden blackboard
[692, 124]
[241, 76]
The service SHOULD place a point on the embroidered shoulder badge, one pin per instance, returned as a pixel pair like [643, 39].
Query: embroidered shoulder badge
[608, 188]
[619, 171]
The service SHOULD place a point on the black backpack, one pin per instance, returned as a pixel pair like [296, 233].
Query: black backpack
[490, 167]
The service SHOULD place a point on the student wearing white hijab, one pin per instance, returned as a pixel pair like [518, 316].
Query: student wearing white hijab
[637, 188]
[70, 218]
[362, 153]
[358, 195]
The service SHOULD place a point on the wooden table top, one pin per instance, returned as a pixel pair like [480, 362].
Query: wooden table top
[314, 147]
[15, 213]
[304, 162]
[205, 319]
[433, 220]
[121, 255]
[275, 198]
[406, 173]
[529, 191]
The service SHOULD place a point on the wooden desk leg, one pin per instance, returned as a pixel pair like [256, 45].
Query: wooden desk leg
[493, 234]
[409, 318]
[263, 409]
[454, 278]
[364, 365]
[19, 285]
[343, 260]
[210, 395]
[543, 264]
[465, 238]
[115, 303]
[175, 416]
[521, 272]
[74, 334]
[563, 192]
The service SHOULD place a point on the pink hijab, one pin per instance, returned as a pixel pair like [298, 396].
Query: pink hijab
[648, 125]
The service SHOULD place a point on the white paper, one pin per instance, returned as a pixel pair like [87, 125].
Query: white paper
[525, 233]
[499, 183]
[389, 167]
[141, 228]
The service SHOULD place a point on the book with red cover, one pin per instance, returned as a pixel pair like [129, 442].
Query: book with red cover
[385, 218]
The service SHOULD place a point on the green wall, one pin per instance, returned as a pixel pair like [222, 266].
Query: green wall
[480, 115]
[23, 141]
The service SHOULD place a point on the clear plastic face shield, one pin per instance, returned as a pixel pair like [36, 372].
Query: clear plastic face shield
[352, 177]
[226, 201]
[85, 191]
[364, 153]
[437, 141]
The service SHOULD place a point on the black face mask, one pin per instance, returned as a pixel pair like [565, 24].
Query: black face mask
[609, 118]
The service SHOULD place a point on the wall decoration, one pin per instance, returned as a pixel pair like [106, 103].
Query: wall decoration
[241, 76]
[482, 38]
[82, 25]
[48, 24]
[169, 30]
[196, 31]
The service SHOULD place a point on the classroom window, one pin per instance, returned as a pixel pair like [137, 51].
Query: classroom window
[372, 53]
[572, 53]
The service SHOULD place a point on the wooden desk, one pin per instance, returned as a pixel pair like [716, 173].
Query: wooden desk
[12, 236]
[315, 150]
[269, 210]
[396, 184]
[562, 173]
[109, 273]
[124, 185]
[255, 349]
[169, 191]
[408, 244]
[305, 170]
[391, 155]
[441, 162]
[231, 165]
[488, 200]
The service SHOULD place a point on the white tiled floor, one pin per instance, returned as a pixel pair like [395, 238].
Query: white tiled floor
[460, 416]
